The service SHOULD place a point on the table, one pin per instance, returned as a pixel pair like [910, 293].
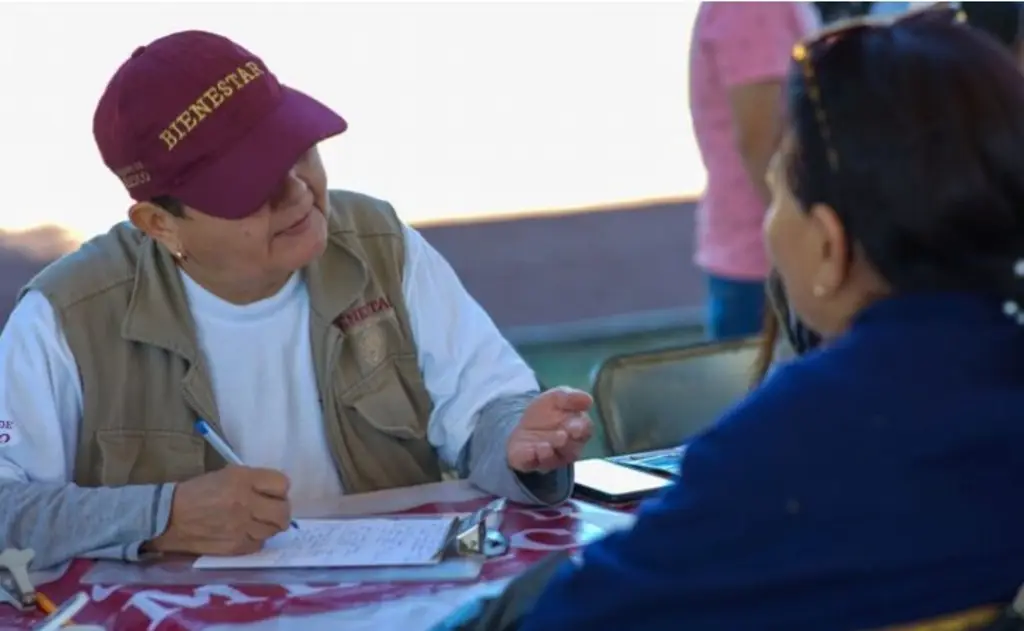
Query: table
[532, 533]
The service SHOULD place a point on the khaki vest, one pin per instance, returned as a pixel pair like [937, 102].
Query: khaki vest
[122, 307]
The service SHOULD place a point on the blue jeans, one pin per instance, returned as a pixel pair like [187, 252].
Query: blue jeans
[735, 307]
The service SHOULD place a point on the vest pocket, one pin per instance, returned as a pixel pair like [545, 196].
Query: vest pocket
[383, 401]
[148, 457]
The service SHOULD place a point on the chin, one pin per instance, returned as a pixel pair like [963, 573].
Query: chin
[302, 250]
[309, 251]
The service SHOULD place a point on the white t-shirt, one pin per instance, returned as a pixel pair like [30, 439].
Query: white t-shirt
[261, 367]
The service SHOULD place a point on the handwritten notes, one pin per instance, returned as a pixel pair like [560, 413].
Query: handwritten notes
[341, 543]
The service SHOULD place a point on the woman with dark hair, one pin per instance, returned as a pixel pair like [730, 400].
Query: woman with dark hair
[1000, 20]
[875, 481]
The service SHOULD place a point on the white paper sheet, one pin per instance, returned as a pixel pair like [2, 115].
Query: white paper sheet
[317, 543]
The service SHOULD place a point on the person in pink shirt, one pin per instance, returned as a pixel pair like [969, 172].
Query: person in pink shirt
[739, 54]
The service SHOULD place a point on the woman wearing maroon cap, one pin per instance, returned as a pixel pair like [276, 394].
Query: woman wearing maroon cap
[306, 333]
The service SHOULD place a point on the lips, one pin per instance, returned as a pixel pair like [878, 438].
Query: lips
[297, 224]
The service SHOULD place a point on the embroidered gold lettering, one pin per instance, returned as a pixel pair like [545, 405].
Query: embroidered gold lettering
[169, 138]
[214, 96]
[211, 99]
[235, 80]
[200, 109]
[224, 88]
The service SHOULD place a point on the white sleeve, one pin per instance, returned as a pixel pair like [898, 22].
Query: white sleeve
[465, 361]
[41, 411]
[40, 396]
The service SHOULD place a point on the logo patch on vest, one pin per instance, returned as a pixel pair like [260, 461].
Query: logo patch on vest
[9, 435]
[363, 314]
[363, 325]
[369, 343]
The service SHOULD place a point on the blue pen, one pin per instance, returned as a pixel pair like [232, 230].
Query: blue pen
[221, 446]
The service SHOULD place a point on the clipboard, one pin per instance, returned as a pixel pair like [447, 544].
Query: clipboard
[472, 540]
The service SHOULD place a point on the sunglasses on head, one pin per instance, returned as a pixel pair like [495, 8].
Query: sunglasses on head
[807, 52]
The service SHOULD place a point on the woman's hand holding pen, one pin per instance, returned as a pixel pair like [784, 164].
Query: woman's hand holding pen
[227, 512]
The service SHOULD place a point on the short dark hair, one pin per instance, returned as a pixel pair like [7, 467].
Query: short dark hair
[926, 119]
[1001, 20]
[171, 204]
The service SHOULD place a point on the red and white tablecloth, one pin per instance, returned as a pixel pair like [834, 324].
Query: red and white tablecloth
[532, 534]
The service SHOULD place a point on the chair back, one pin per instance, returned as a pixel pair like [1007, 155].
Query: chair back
[659, 399]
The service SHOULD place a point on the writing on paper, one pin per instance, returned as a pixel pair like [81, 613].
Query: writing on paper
[340, 543]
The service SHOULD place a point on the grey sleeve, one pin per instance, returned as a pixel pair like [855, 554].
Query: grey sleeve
[64, 521]
[485, 462]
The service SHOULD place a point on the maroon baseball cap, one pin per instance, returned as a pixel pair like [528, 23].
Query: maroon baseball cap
[195, 116]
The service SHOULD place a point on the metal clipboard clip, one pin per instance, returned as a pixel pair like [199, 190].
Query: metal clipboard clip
[478, 534]
[16, 587]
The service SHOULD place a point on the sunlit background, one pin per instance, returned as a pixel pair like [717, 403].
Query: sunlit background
[456, 110]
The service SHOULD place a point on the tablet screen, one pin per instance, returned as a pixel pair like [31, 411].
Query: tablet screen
[615, 479]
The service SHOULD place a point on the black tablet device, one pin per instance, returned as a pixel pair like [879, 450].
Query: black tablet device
[604, 481]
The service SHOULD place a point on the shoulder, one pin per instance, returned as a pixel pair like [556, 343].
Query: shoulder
[783, 429]
[369, 227]
[362, 215]
[777, 404]
[33, 316]
[798, 390]
[35, 360]
[101, 264]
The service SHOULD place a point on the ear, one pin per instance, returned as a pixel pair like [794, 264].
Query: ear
[835, 248]
[157, 224]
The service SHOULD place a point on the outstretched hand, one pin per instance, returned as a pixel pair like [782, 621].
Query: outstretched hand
[552, 432]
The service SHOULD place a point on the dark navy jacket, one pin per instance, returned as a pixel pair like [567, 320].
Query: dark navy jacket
[877, 480]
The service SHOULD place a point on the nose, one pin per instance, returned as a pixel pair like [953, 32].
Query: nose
[290, 191]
